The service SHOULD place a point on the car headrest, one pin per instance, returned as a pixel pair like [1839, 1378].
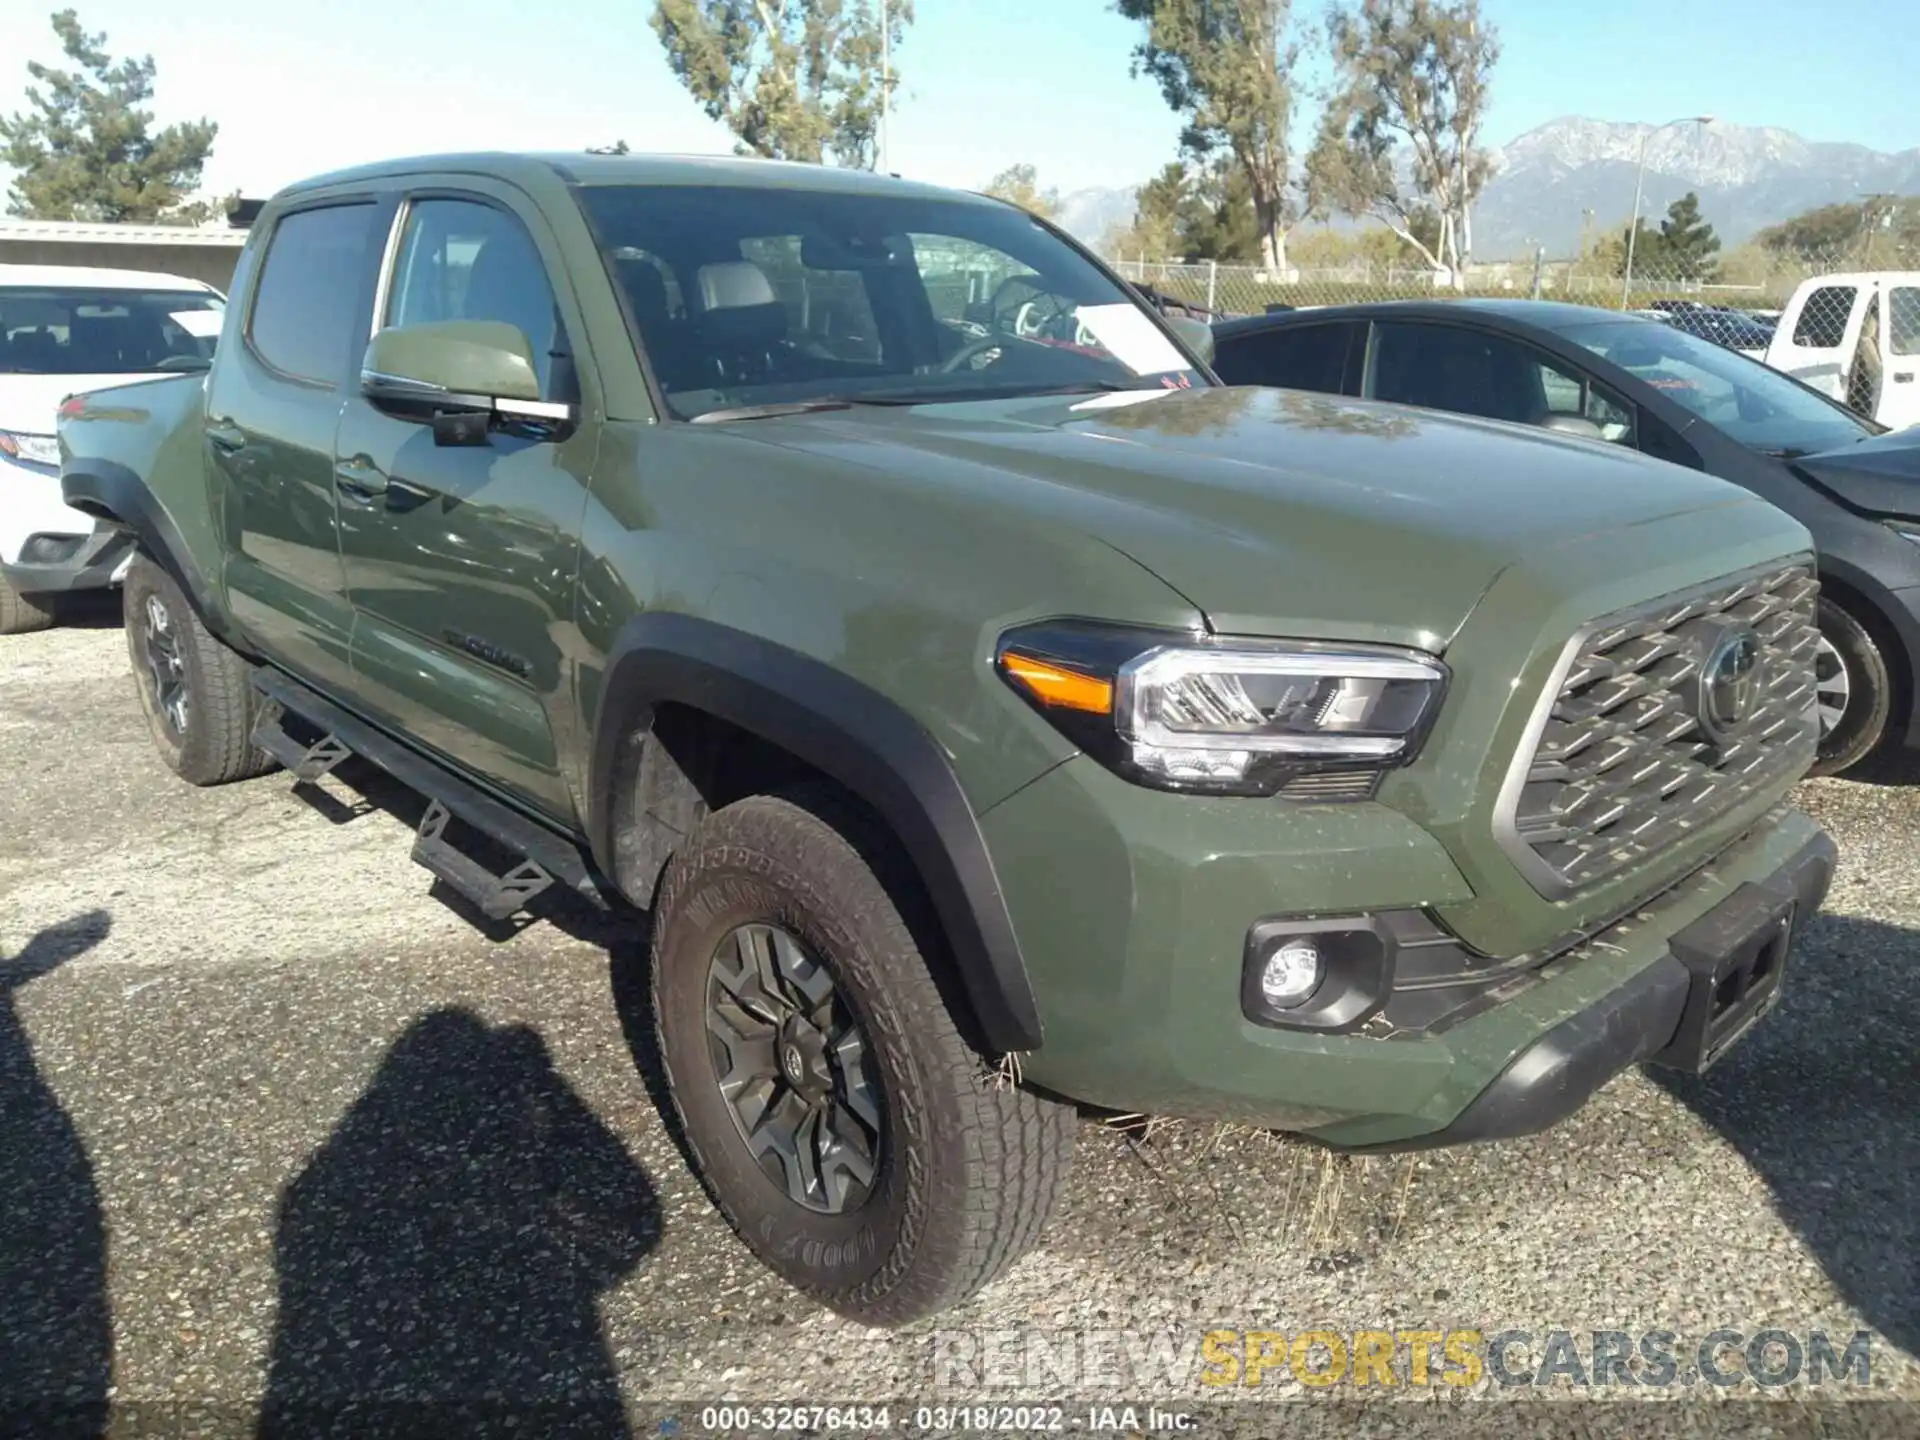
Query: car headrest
[647, 290]
[735, 285]
[739, 308]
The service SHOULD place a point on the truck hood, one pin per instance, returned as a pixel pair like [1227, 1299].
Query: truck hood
[29, 404]
[1880, 474]
[1265, 508]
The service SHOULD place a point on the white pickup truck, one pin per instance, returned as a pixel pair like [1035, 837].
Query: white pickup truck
[1857, 338]
[65, 330]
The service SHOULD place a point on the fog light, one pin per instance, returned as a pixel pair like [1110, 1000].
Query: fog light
[1291, 973]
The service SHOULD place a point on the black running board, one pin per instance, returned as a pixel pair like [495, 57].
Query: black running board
[547, 856]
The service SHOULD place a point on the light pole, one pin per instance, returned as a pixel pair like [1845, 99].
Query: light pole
[1639, 182]
[886, 96]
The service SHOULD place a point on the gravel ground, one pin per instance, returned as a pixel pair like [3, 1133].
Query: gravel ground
[278, 1125]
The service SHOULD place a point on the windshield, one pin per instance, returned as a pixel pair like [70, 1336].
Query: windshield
[753, 296]
[1746, 401]
[106, 332]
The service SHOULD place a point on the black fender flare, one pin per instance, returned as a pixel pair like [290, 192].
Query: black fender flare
[855, 736]
[109, 491]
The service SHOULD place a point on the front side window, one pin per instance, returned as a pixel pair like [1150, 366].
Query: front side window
[748, 296]
[464, 260]
[1823, 319]
[79, 331]
[310, 292]
[1750, 403]
[1295, 357]
[1474, 372]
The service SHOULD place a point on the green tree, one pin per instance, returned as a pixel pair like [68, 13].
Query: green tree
[1687, 242]
[85, 149]
[792, 79]
[1020, 185]
[1158, 205]
[1401, 129]
[1226, 68]
[1217, 222]
[1852, 232]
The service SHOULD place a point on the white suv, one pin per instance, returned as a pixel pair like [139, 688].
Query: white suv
[65, 330]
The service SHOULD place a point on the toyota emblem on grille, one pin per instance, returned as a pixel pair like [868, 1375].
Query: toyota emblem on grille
[1730, 679]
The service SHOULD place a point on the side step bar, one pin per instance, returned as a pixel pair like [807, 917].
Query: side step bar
[547, 855]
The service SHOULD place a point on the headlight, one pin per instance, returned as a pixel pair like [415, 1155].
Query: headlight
[31, 449]
[1906, 528]
[1243, 717]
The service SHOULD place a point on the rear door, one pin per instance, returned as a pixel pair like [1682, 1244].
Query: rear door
[461, 561]
[273, 403]
[1323, 357]
[1815, 341]
[1900, 394]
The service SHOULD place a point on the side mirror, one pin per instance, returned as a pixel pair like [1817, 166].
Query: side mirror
[458, 368]
[1196, 335]
[1574, 425]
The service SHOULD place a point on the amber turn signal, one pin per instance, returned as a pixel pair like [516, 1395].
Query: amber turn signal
[1055, 686]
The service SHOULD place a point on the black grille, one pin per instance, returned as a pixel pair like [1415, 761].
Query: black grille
[1626, 765]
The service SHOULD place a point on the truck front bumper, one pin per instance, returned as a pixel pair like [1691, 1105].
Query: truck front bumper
[1717, 978]
[1135, 915]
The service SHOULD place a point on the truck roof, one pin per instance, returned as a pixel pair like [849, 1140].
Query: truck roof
[583, 168]
[92, 277]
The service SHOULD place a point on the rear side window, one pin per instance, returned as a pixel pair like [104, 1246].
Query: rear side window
[1903, 319]
[310, 288]
[1823, 321]
[1302, 357]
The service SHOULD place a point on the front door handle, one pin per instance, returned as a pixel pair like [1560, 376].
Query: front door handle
[224, 434]
[359, 477]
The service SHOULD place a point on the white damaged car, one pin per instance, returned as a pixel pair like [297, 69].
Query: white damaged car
[65, 330]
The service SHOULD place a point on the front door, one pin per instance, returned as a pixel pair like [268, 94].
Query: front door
[461, 560]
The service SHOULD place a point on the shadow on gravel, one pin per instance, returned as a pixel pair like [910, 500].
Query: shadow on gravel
[442, 1256]
[1899, 767]
[1823, 1099]
[56, 1334]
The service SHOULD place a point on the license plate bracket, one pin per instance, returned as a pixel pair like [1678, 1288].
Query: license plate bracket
[1736, 958]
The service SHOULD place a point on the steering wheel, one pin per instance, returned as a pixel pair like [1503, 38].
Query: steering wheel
[966, 352]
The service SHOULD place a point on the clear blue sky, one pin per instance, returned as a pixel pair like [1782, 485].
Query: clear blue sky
[303, 88]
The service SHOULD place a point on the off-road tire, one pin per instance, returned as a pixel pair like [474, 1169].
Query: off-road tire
[20, 614]
[970, 1164]
[216, 746]
[1870, 702]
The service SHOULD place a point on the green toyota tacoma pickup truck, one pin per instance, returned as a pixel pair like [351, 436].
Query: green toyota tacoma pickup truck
[994, 712]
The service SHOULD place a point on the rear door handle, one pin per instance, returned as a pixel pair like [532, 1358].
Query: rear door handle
[359, 477]
[224, 434]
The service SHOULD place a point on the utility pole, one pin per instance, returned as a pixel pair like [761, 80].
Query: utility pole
[886, 82]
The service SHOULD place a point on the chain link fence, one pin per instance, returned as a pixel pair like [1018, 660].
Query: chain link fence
[1750, 283]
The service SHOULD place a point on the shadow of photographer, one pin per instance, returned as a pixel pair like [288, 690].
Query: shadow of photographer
[1823, 1100]
[56, 1332]
[442, 1256]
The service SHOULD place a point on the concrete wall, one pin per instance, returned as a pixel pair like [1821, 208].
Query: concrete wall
[211, 263]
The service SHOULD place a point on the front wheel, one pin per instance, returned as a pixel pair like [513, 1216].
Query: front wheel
[199, 705]
[838, 1118]
[1853, 690]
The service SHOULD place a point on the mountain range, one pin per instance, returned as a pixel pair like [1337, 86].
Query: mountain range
[1553, 182]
